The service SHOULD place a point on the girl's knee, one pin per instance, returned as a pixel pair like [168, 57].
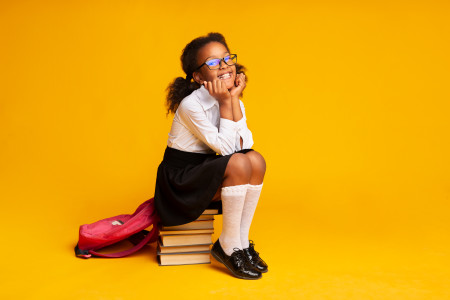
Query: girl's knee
[257, 161]
[239, 165]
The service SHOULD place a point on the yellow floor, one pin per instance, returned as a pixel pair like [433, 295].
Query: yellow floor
[347, 102]
[305, 263]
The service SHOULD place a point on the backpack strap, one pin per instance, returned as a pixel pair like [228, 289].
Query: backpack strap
[151, 236]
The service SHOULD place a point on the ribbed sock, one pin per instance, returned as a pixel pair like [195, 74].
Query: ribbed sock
[251, 200]
[233, 198]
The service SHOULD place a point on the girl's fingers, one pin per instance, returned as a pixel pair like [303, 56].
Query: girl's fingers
[214, 85]
[210, 87]
[241, 78]
[219, 86]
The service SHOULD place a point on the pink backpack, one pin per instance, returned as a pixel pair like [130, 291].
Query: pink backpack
[115, 229]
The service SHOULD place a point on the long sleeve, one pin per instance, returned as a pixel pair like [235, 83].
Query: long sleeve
[243, 131]
[221, 140]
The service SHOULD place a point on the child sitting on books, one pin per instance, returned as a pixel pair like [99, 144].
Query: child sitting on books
[209, 156]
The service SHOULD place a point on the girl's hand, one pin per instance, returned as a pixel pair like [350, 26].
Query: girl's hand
[218, 90]
[239, 85]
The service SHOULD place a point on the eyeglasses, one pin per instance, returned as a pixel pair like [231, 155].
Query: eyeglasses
[214, 64]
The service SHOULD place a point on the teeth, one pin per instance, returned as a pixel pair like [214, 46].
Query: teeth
[225, 76]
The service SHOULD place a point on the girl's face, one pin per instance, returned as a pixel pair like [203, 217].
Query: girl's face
[225, 73]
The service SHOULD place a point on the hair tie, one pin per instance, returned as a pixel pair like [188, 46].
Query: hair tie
[188, 78]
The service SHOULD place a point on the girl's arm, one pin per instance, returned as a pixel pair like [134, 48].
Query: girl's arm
[237, 113]
[244, 135]
[218, 90]
[235, 102]
[222, 140]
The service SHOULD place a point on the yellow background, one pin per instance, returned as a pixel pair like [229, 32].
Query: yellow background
[348, 102]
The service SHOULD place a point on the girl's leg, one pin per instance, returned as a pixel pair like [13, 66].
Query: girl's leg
[236, 179]
[227, 249]
[258, 166]
[251, 200]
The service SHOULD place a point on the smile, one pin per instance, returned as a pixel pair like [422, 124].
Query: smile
[225, 76]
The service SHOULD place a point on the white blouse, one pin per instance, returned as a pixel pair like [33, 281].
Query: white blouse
[198, 127]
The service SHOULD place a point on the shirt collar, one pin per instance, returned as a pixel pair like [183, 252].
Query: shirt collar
[206, 100]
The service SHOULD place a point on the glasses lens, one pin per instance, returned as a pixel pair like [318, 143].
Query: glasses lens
[230, 59]
[213, 63]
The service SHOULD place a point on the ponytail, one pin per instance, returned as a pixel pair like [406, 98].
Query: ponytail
[178, 90]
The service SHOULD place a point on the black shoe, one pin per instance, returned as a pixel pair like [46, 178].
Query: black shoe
[254, 259]
[236, 262]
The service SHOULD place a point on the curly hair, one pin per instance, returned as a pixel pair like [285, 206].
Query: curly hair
[181, 87]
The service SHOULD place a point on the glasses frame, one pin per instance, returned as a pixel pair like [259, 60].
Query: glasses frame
[220, 61]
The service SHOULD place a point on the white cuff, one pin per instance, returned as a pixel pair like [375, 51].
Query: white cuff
[227, 126]
[241, 124]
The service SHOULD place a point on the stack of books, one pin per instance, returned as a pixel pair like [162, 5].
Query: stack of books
[187, 244]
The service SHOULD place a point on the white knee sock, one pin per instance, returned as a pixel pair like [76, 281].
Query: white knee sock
[251, 200]
[233, 198]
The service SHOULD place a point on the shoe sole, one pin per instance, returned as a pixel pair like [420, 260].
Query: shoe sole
[235, 275]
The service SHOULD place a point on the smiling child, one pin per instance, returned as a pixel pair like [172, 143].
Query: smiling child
[209, 157]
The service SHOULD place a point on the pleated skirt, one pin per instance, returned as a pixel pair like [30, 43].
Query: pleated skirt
[186, 183]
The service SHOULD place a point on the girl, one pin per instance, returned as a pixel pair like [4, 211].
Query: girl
[209, 119]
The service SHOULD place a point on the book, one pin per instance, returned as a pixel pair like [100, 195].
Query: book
[211, 211]
[180, 249]
[200, 224]
[184, 258]
[181, 232]
[205, 217]
[185, 239]
[187, 244]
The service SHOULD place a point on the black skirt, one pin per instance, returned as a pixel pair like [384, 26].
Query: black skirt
[186, 182]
